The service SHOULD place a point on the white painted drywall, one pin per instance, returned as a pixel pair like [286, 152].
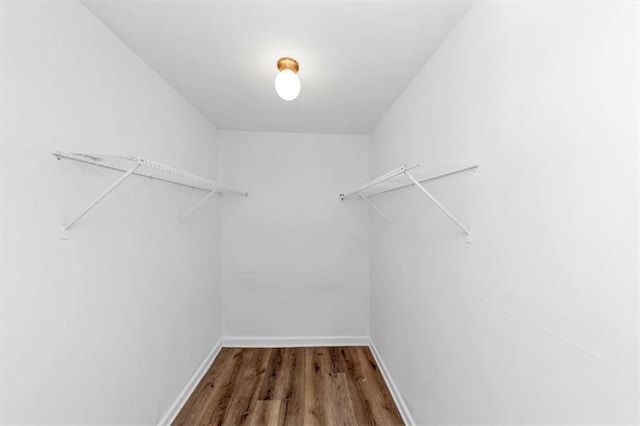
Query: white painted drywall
[637, 57]
[536, 322]
[295, 259]
[108, 326]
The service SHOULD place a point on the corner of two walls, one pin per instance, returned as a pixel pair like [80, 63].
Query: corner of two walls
[537, 320]
[118, 318]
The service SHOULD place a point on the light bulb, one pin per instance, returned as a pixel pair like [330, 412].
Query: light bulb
[287, 85]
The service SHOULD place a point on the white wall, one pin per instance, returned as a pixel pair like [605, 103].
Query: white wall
[536, 322]
[295, 259]
[108, 326]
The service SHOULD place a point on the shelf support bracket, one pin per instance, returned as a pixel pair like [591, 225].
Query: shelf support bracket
[373, 206]
[114, 185]
[198, 204]
[437, 203]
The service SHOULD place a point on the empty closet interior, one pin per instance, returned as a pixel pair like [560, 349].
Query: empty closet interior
[431, 207]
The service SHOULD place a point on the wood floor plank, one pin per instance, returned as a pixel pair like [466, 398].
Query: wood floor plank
[202, 396]
[338, 363]
[291, 386]
[266, 413]
[292, 408]
[316, 388]
[275, 376]
[362, 408]
[343, 412]
[329, 376]
[250, 380]
[383, 405]
[220, 398]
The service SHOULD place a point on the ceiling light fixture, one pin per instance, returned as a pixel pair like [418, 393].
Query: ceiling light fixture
[287, 81]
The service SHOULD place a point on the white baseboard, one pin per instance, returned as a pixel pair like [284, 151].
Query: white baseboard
[182, 398]
[397, 397]
[288, 342]
[284, 342]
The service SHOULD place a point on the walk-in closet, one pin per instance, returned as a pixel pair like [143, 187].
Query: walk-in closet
[319, 212]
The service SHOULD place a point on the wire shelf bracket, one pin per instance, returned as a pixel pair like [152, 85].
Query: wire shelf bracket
[377, 186]
[198, 204]
[373, 206]
[132, 165]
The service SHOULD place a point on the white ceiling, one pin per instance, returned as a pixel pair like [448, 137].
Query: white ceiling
[355, 57]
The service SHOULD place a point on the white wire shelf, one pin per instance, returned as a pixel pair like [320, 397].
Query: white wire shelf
[404, 177]
[133, 165]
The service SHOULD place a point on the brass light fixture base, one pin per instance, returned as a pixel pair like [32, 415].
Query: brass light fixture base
[288, 64]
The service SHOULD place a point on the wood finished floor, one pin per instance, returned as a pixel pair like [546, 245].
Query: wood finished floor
[291, 386]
